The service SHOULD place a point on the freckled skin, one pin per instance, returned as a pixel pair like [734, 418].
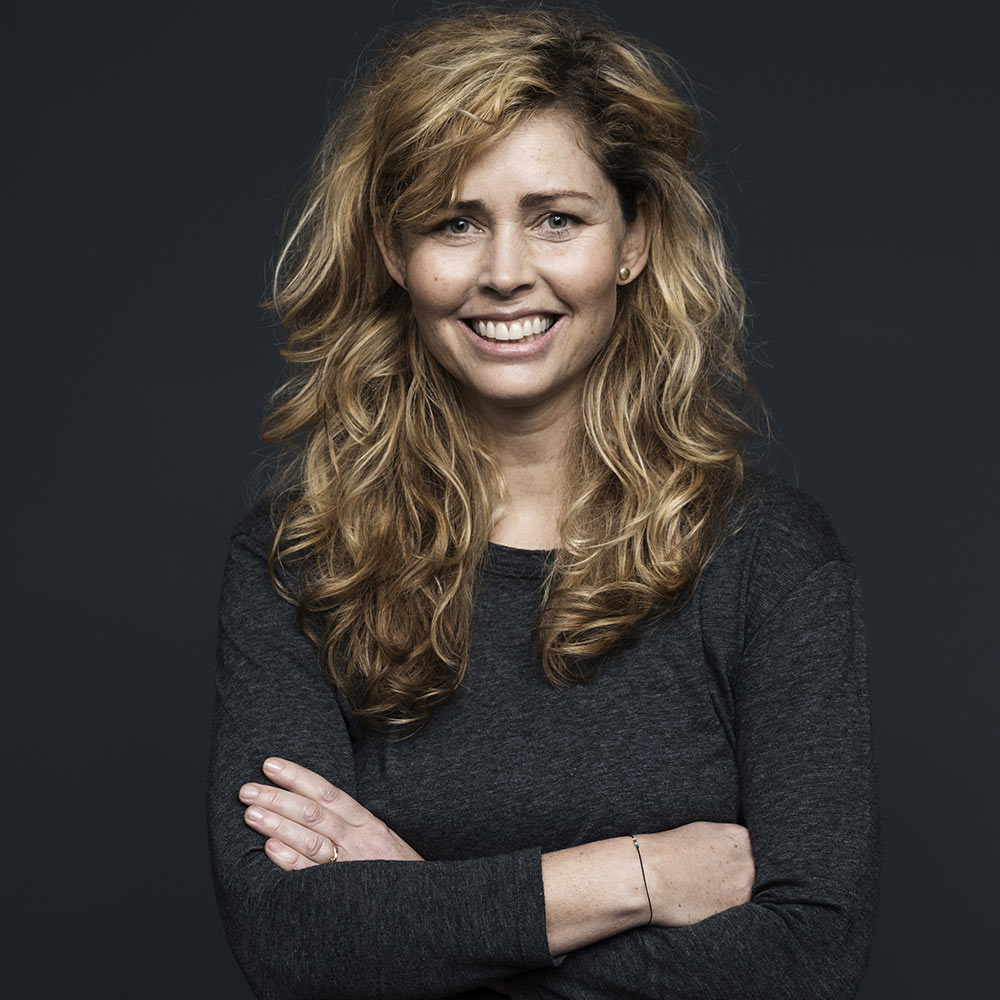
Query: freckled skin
[503, 255]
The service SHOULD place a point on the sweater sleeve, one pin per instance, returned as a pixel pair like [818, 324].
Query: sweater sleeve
[809, 802]
[368, 929]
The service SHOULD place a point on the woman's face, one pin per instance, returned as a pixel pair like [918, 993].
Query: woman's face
[514, 290]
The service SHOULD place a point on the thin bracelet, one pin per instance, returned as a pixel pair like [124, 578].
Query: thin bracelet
[643, 868]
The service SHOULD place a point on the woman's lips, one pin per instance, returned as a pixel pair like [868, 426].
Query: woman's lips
[519, 328]
[527, 345]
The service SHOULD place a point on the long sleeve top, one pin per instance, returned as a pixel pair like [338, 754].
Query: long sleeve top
[749, 704]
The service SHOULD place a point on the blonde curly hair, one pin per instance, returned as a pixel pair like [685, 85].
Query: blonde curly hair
[386, 499]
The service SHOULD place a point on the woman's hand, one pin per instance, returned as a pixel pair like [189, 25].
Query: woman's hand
[697, 870]
[306, 816]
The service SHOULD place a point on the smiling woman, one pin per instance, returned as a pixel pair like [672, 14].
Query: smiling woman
[526, 682]
[516, 296]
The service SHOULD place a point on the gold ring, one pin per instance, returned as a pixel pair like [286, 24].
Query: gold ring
[336, 854]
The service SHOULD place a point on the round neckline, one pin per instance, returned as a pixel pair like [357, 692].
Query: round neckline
[524, 564]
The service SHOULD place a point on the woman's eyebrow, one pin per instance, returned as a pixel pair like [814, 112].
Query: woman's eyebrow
[541, 197]
[531, 200]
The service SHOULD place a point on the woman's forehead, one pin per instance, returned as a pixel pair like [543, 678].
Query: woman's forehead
[541, 159]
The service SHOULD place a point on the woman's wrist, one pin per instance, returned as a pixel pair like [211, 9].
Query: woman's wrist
[592, 892]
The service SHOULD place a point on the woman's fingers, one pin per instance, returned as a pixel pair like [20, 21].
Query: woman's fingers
[314, 786]
[305, 817]
[302, 824]
[284, 857]
[290, 840]
[302, 813]
[295, 807]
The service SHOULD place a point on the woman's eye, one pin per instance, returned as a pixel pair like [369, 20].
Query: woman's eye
[457, 226]
[559, 221]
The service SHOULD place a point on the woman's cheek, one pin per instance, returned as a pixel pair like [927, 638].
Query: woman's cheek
[586, 270]
[438, 284]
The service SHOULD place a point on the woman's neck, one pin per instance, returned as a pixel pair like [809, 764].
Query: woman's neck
[531, 454]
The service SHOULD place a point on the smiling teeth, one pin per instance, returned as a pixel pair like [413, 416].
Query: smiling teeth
[517, 330]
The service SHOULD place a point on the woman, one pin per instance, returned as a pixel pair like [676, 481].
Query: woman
[525, 685]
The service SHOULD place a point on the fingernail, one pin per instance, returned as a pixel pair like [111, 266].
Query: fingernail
[255, 814]
[248, 792]
[272, 766]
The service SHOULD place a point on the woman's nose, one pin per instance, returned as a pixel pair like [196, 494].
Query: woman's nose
[508, 266]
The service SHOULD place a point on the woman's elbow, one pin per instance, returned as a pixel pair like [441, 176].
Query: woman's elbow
[828, 944]
[271, 943]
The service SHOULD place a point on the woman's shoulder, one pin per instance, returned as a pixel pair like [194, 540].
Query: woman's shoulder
[252, 611]
[247, 570]
[777, 536]
[770, 511]
[256, 527]
[251, 544]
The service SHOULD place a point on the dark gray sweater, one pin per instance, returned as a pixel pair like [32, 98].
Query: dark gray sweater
[748, 705]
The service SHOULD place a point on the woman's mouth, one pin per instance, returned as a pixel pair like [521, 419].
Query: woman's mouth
[526, 328]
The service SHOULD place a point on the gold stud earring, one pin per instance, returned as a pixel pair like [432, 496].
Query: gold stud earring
[624, 273]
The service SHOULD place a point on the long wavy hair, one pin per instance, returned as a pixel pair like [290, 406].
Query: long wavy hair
[386, 498]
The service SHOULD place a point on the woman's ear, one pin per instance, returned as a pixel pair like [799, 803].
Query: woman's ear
[392, 256]
[638, 236]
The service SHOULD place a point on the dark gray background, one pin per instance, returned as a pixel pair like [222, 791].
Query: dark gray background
[150, 152]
